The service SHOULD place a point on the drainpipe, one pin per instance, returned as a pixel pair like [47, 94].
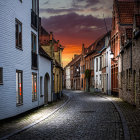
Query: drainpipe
[52, 86]
[38, 51]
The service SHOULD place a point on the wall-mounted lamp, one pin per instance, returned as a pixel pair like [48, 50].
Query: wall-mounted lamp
[111, 55]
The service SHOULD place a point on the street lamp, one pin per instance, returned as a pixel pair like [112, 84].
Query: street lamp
[77, 70]
[111, 55]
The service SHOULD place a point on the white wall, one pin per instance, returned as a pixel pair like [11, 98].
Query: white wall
[45, 68]
[68, 82]
[108, 69]
[12, 59]
[98, 84]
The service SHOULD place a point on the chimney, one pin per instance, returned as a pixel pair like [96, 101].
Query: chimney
[51, 36]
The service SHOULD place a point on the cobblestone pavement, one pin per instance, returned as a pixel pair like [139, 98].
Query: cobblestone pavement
[85, 116]
[12, 125]
[132, 116]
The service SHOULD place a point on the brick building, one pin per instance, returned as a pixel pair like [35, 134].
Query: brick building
[122, 18]
[75, 72]
[129, 81]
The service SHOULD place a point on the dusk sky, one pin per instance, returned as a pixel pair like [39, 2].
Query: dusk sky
[75, 22]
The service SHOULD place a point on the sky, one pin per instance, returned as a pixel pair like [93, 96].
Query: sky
[75, 22]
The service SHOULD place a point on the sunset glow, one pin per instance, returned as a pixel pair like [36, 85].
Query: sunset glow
[75, 22]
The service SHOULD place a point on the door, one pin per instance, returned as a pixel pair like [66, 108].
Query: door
[46, 82]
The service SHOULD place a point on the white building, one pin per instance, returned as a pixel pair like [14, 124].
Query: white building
[68, 81]
[19, 74]
[108, 69]
[45, 79]
[106, 66]
[98, 72]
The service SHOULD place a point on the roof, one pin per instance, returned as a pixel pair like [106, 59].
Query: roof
[73, 61]
[98, 45]
[126, 11]
[44, 54]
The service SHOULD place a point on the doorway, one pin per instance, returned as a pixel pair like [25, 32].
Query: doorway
[46, 90]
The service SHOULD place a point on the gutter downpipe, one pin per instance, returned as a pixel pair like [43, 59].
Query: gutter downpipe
[38, 51]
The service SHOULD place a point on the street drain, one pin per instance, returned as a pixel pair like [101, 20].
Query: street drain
[90, 111]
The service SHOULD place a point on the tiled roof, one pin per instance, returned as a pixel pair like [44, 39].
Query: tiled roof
[73, 61]
[126, 12]
[98, 45]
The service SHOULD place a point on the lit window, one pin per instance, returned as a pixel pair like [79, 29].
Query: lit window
[34, 86]
[1, 76]
[18, 34]
[19, 88]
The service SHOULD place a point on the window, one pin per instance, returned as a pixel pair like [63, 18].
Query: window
[139, 79]
[34, 6]
[96, 64]
[100, 63]
[82, 83]
[18, 34]
[19, 88]
[92, 63]
[34, 51]
[84, 68]
[129, 81]
[41, 87]
[107, 59]
[126, 79]
[33, 41]
[34, 86]
[92, 81]
[1, 76]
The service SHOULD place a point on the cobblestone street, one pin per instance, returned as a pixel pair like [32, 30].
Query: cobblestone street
[85, 116]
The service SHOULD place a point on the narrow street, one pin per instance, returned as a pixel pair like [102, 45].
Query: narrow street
[85, 116]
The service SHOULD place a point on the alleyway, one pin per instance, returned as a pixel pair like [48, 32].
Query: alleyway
[85, 116]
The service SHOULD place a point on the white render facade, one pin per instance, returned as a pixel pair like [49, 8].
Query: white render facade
[97, 73]
[68, 82]
[108, 69]
[45, 80]
[16, 62]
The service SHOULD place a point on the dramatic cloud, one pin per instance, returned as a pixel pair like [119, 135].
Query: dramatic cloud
[74, 22]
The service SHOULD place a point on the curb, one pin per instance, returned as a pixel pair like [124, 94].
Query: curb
[124, 123]
[36, 122]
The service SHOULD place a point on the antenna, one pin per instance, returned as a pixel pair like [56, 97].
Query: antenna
[105, 24]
